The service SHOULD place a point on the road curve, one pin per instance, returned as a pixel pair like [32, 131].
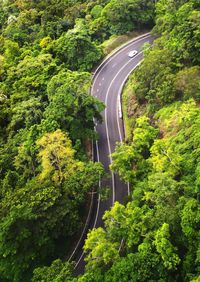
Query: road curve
[108, 82]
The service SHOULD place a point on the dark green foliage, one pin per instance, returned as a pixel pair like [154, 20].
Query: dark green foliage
[118, 17]
[187, 83]
[121, 16]
[179, 24]
[144, 262]
[57, 272]
[45, 211]
[46, 118]
[71, 106]
[155, 237]
[155, 79]
[170, 71]
[127, 157]
[76, 49]
[45, 177]
[158, 229]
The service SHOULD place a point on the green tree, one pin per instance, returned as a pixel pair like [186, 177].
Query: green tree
[71, 106]
[125, 15]
[144, 265]
[96, 11]
[38, 213]
[76, 49]
[165, 248]
[12, 51]
[57, 272]
[130, 160]
[29, 78]
[187, 83]
[101, 251]
[26, 114]
[57, 156]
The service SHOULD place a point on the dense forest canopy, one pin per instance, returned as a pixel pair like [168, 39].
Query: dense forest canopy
[156, 236]
[47, 52]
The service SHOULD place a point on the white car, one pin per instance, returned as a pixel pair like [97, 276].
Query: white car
[131, 54]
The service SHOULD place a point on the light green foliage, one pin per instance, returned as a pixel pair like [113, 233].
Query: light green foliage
[164, 158]
[165, 248]
[46, 115]
[179, 22]
[158, 230]
[71, 106]
[188, 84]
[96, 11]
[25, 160]
[57, 272]
[182, 133]
[130, 160]
[170, 70]
[46, 209]
[196, 279]
[124, 158]
[190, 220]
[124, 15]
[57, 156]
[2, 61]
[12, 51]
[76, 49]
[143, 134]
[115, 221]
[102, 251]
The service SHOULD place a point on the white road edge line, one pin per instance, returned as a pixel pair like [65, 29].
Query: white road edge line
[98, 205]
[128, 184]
[99, 198]
[97, 213]
[119, 104]
[106, 122]
[83, 232]
[107, 61]
[119, 99]
[121, 49]
[79, 260]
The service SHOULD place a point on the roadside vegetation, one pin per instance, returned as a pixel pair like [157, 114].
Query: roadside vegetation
[47, 52]
[156, 236]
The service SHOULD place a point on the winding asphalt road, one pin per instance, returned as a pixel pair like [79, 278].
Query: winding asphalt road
[107, 86]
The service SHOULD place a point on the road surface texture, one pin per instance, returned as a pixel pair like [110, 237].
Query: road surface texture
[108, 82]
